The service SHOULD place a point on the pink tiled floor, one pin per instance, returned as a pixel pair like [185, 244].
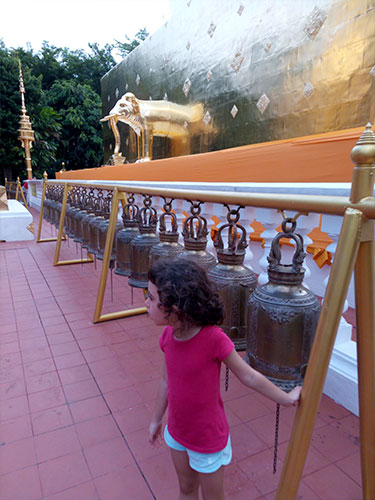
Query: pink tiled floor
[76, 399]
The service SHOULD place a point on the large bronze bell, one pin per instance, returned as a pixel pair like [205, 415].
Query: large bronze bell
[125, 236]
[47, 204]
[85, 221]
[94, 224]
[195, 238]
[79, 215]
[142, 244]
[234, 281]
[103, 229]
[282, 317]
[168, 248]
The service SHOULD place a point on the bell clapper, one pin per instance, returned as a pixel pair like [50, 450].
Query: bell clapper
[95, 261]
[276, 437]
[131, 295]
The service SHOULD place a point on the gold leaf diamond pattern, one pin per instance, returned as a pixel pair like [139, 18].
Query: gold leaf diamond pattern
[207, 118]
[308, 90]
[188, 45]
[240, 10]
[234, 111]
[237, 61]
[165, 98]
[372, 71]
[314, 22]
[267, 46]
[263, 103]
[117, 92]
[209, 75]
[108, 98]
[211, 29]
[186, 87]
[137, 80]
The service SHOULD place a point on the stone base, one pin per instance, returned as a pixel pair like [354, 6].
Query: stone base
[16, 224]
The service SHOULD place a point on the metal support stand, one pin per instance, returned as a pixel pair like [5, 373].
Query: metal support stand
[58, 262]
[98, 316]
[38, 238]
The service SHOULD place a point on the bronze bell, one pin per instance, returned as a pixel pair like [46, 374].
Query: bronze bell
[142, 244]
[58, 206]
[79, 215]
[125, 236]
[94, 224]
[85, 221]
[234, 281]
[195, 238]
[103, 229]
[282, 317]
[73, 208]
[52, 206]
[46, 204]
[168, 248]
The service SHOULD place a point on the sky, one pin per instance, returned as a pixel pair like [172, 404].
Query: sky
[75, 23]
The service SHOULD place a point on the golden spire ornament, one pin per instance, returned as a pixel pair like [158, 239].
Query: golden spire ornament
[26, 132]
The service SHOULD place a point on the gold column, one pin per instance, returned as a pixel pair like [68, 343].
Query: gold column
[26, 132]
[363, 155]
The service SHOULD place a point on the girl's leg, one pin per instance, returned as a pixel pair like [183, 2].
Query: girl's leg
[188, 478]
[212, 485]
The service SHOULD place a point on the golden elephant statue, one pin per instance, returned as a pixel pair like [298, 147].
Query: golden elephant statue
[155, 118]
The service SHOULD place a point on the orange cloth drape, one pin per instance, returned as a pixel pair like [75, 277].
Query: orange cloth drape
[315, 158]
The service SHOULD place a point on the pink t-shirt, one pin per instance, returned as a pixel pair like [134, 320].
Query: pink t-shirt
[196, 417]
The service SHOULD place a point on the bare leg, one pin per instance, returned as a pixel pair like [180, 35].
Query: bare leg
[212, 485]
[188, 478]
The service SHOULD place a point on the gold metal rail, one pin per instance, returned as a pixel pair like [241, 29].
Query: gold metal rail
[355, 250]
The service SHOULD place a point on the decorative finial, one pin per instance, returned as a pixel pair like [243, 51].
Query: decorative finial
[364, 151]
[45, 176]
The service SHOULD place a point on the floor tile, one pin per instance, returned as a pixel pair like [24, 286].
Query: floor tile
[89, 409]
[56, 443]
[81, 390]
[126, 484]
[134, 418]
[13, 389]
[333, 484]
[108, 456]
[22, 484]
[333, 444]
[38, 383]
[85, 491]
[49, 398]
[63, 472]
[69, 360]
[15, 429]
[97, 430]
[52, 419]
[17, 455]
[246, 408]
[12, 408]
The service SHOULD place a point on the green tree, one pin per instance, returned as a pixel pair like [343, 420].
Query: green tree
[124, 48]
[63, 103]
[80, 135]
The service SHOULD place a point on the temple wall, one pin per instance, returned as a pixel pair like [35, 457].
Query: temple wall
[261, 71]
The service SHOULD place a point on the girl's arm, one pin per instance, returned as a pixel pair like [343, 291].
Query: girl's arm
[160, 407]
[255, 380]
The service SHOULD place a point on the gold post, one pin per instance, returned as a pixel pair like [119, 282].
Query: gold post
[325, 334]
[363, 155]
[98, 316]
[19, 190]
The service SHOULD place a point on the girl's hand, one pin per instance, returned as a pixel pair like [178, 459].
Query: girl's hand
[154, 433]
[293, 396]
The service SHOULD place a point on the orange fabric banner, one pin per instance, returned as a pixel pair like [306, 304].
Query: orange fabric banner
[315, 158]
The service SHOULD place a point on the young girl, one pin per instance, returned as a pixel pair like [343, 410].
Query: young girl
[181, 298]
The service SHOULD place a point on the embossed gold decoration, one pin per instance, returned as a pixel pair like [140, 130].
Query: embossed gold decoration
[161, 118]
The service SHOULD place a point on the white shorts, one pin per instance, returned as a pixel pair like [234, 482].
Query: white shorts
[202, 462]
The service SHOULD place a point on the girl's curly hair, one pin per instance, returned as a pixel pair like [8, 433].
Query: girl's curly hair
[184, 285]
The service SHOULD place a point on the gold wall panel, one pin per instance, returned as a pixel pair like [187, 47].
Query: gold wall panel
[261, 71]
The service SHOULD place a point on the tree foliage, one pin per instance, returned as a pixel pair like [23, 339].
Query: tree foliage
[63, 102]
